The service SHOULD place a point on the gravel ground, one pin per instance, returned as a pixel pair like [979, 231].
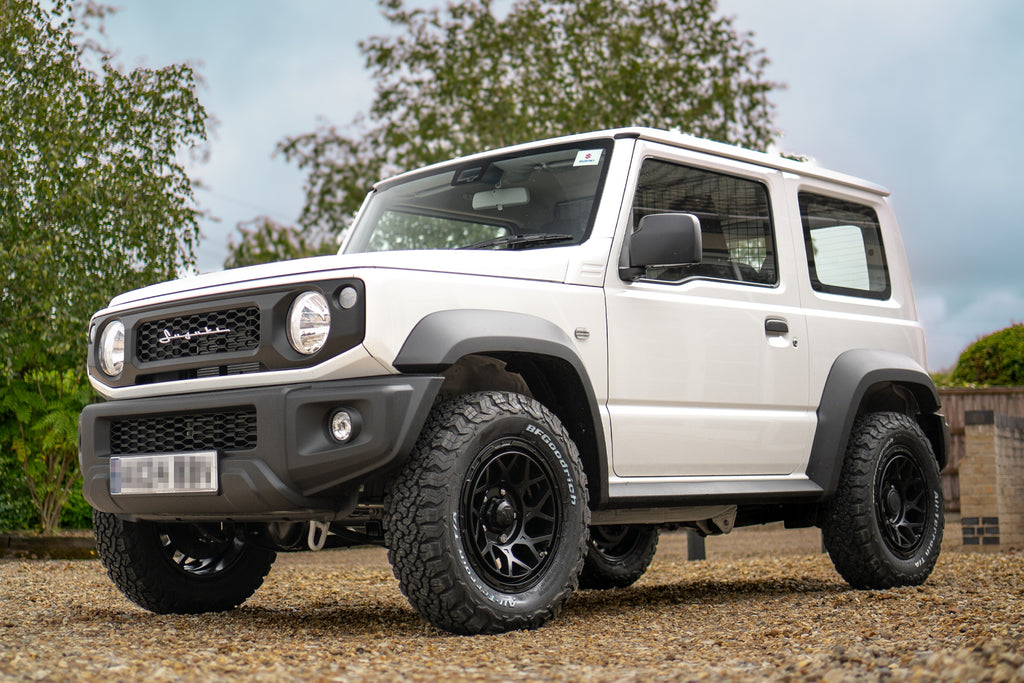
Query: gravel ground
[765, 605]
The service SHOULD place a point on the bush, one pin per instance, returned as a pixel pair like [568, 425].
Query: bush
[16, 509]
[40, 430]
[993, 360]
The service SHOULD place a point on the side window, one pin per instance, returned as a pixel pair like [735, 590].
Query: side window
[735, 221]
[845, 254]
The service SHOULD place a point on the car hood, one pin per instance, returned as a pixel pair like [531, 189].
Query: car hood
[528, 264]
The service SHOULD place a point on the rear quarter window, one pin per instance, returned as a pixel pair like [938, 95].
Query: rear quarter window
[845, 254]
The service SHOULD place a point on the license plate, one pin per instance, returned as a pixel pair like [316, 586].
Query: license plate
[165, 473]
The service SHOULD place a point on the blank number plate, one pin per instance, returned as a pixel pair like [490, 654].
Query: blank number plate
[165, 473]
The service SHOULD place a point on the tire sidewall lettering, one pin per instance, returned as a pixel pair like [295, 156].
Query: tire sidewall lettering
[933, 520]
[505, 600]
[552, 445]
[919, 560]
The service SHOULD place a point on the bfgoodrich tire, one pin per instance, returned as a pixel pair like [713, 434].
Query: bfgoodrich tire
[883, 527]
[618, 555]
[486, 526]
[179, 568]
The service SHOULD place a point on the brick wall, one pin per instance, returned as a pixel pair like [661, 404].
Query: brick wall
[955, 403]
[992, 481]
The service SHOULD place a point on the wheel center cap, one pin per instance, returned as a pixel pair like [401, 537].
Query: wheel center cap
[893, 502]
[500, 515]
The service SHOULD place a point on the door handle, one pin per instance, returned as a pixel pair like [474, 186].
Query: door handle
[776, 326]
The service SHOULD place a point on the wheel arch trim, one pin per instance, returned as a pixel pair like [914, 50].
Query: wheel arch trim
[441, 338]
[853, 374]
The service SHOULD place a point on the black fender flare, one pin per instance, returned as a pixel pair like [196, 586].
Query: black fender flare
[441, 338]
[852, 375]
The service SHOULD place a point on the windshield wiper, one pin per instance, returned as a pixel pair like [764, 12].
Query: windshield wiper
[518, 241]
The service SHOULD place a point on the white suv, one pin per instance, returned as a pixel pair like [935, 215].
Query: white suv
[520, 366]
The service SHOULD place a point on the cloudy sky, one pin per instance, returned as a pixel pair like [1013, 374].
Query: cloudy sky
[925, 97]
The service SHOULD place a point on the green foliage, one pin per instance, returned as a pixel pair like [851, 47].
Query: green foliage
[94, 199]
[41, 429]
[76, 513]
[16, 509]
[462, 79]
[994, 360]
[263, 240]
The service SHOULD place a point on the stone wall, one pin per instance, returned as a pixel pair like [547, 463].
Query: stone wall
[992, 481]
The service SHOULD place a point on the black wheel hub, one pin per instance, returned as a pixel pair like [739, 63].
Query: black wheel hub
[902, 504]
[509, 514]
[200, 550]
[499, 515]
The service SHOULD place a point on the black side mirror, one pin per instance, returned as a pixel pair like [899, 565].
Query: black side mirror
[662, 239]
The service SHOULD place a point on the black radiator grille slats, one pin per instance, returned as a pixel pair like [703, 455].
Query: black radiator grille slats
[199, 334]
[229, 430]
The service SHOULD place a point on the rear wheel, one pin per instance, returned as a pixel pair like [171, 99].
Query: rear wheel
[179, 568]
[618, 555]
[486, 525]
[883, 527]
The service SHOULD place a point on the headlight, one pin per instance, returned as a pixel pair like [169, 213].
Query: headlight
[112, 348]
[309, 322]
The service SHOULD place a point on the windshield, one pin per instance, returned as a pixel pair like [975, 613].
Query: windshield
[541, 198]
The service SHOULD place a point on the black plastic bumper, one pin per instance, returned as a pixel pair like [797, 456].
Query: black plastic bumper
[294, 471]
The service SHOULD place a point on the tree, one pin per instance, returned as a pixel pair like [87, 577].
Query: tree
[263, 240]
[463, 79]
[94, 198]
[994, 360]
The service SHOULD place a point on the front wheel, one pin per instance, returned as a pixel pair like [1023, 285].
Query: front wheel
[486, 526]
[883, 526]
[179, 568]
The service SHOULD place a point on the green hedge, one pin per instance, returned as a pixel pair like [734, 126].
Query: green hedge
[994, 360]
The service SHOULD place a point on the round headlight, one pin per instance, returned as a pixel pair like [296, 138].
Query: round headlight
[309, 322]
[112, 348]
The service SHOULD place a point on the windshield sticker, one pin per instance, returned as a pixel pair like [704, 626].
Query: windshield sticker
[587, 157]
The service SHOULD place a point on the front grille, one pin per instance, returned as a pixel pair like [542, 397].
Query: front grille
[199, 334]
[233, 430]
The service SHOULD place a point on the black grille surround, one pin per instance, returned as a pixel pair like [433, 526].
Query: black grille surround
[229, 430]
[199, 334]
[217, 336]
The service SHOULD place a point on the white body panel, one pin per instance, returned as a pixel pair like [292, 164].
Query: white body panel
[837, 323]
[696, 385]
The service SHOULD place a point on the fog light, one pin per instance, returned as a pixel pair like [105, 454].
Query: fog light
[343, 426]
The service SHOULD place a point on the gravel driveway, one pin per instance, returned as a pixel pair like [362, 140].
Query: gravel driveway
[765, 605]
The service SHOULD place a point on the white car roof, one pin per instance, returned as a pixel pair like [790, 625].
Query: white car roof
[684, 141]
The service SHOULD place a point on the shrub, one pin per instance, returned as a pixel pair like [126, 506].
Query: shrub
[996, 359]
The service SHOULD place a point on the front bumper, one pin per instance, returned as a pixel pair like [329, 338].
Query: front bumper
[287, 467]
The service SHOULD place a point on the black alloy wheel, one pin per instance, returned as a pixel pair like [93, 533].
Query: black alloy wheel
[510, 514]
[902, 501]
[486, 526]
[618, 555]
[883, 525]
[200, 550]
[180, 568]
